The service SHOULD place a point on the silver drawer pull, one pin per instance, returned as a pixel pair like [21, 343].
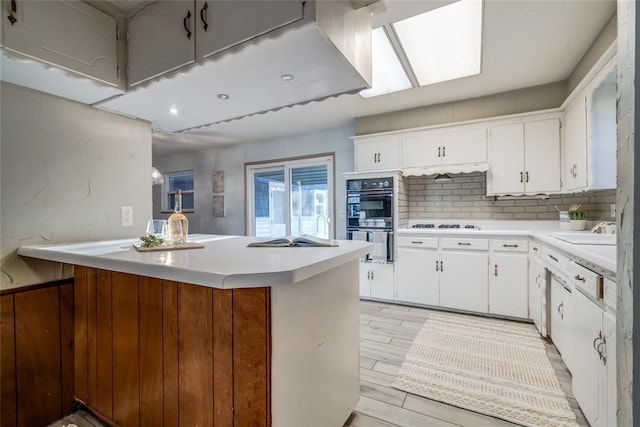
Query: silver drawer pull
[535, 249]
[579, 278]
[510, 246]
[464, 244]
[416, 242]
[553, 258]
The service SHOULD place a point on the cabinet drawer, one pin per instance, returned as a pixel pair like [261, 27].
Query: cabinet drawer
[465, 244]
[610, 290]
[556, 260]
[588, 281]
[510, 245]
[418, 242]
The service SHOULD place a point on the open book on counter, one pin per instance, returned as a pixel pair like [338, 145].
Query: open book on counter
[306, 240]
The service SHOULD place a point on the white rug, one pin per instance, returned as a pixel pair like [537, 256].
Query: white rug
[486, 367]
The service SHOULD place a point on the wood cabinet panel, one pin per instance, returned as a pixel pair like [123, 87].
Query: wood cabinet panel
[151, 360]
[126, 385]
[80, 365]
[104, 344]
[66, 347]
[251, 356]
[170, 351]
[92, 343]
[8, 398]
[38, 378]
[223, 357]
[195, 346]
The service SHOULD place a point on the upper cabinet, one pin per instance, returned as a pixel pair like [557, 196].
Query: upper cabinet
[71, 35]
[224, 24]
[161, 38]
[590, 135]
[377, 153]
[524, 158]
[167, 35]
[444, 147]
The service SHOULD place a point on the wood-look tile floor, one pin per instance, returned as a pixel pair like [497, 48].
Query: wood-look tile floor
[386, 333]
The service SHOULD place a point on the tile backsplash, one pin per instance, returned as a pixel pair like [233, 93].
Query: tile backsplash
[465, 197]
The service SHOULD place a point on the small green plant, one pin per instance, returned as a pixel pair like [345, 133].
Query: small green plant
[575, 213]
[150, 241]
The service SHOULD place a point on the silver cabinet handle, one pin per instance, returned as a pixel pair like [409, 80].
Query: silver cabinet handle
[553, 258]
[464, 244]
[495, 270]
[186, 22]
[580, 278]
[439, 151]
[521, 177]
[416, 242]
[444, 154]
[12, 16]
[526, 176]
[561, 310]
[513, 246]
[441, 268]
[437, 266]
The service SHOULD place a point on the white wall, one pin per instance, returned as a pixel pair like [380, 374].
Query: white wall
[231, 160]
[66, 170]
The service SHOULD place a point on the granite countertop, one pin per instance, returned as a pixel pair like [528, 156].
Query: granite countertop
[225, 261]
[602, 256]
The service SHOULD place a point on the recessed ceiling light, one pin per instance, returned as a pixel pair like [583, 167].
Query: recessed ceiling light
[223, 96]
[288, 77]
[173, 110]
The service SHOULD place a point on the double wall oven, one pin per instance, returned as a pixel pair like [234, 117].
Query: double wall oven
[370, 206]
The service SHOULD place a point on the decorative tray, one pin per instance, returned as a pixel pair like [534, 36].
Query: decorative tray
[166, 247]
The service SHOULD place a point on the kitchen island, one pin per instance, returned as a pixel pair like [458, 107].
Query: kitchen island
[224, 335]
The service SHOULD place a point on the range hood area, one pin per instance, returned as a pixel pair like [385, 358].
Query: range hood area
[324, 54]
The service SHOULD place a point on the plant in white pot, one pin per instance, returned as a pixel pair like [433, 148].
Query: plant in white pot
[577, 218]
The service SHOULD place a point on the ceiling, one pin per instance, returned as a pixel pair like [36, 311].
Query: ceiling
[525, 43]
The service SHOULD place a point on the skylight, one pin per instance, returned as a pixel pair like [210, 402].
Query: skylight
[388, 75]
[445, 43]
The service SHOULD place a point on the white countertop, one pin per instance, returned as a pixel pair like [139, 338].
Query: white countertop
[225, 262]
[603, 256]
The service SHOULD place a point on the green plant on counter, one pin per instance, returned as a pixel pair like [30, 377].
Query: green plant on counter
[150, 241]
[575, 213]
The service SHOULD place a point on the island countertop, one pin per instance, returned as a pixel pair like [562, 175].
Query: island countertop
[225, 262]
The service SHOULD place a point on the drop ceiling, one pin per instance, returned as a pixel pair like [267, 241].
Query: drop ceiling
[526, 43]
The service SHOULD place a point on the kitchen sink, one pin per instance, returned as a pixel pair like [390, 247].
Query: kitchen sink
[586, 238]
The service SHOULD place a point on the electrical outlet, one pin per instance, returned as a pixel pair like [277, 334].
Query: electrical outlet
[612, 211]
[126, 216]
[343, 214]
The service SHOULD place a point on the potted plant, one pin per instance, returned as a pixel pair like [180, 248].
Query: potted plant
[577, 218]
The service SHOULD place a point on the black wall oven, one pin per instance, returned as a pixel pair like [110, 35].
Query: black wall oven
[370, 205]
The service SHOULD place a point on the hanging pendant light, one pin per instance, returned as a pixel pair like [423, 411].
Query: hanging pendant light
[156, 176]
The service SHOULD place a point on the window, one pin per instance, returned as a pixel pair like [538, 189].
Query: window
[290, 197]
[182, 181]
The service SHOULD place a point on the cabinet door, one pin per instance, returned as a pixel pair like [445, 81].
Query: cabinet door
[610, 381]
[388, 154]
[508, 285]
[416, 276]
[535, 290]
[575, 145]
[382, 280]
[68, 34]
[222, 24]
[587, 322]
[366, 155]
[561, 313]
[161, 38]
[422, 150]
[463, 281]
[506, 159]
[365, 282]
[466, 146]
[542, 156]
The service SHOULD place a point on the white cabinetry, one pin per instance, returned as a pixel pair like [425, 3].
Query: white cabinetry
[161, 38]
[68, 34]
[463, 274]
[376, 280]
[223, 24]
[575, 145]
[444, 147]
[593, 375]
[377, 153]
[561, 313]
[524, 158]
[508, 277]
[417, 267]
[536, 294]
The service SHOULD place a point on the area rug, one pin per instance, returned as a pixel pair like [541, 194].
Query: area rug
[487, 367]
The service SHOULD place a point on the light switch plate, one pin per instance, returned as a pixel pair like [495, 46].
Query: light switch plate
[126, 216]
[612, 211]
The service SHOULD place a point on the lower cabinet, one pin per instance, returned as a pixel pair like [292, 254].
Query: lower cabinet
[417, 272]
[594, 367]
[508, 285]
[376, 280]
[464, 281]
[561, 313]
[536, 280]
